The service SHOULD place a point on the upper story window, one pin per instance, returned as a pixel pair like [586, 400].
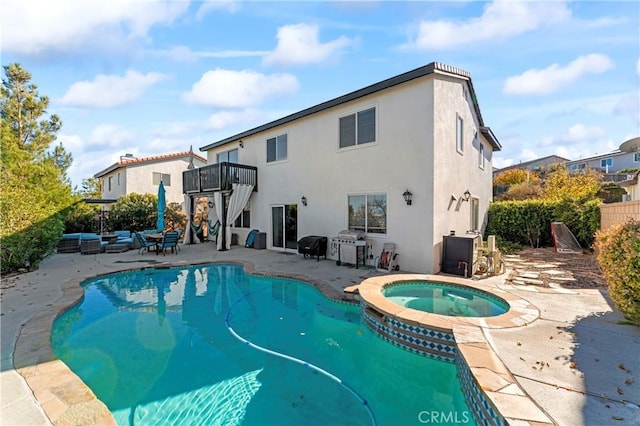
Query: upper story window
[277, 148]
[368, 213]
[606, 162]
[118, 179]
[358, 128]
[110, 180]
[636, 157]
[459, 138]
[228, 156]
[481, 160]
[161, 177]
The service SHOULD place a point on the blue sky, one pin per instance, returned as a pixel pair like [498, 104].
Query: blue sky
[154, 77]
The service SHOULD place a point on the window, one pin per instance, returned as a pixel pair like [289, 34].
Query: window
[481, 156]
[161, 177]
[244, 220]
[475, 214]
[277, 148]
[368, 213]
[636, 157]
[573, 167]
[459, 139]
[606, 162]
[118, 179]
[228, 156]
[358, 128]
[110, 179]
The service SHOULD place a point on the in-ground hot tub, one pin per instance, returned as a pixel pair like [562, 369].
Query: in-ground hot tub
[445, 299]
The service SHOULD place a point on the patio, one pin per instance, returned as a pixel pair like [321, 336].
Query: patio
[575, 361]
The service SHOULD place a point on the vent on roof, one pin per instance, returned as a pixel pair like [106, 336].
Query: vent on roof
[127, 157]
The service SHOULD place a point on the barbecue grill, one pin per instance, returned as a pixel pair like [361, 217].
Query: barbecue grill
[349, 238]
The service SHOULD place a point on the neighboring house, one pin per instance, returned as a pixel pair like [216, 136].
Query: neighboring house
[143, 175]
[534, 165]
[349, 163]
[609, 164]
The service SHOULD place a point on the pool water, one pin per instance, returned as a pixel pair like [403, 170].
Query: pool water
[154, 346]
[445, 299]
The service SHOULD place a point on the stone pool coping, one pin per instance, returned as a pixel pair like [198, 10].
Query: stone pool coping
[490, 375]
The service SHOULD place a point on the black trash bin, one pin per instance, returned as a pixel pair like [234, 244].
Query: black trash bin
[313, 245]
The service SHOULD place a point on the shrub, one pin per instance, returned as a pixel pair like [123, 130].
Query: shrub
[618, 250]
[134, 212]
[83, 217]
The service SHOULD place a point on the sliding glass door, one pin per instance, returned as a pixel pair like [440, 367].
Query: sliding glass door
[284, 226]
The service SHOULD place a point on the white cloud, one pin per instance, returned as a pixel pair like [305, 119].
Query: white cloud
[554, 77]
[108, 91]
[238, 89]
[39, 26]
[500, 20]
[185, 54]
[576, 135]
[208, 6]
[299, 44]
[528, 155]
[225, 119]
[111, 136]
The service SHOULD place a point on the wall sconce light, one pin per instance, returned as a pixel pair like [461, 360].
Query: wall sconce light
[241, 144]
[407, 197]
[466, 195]
[303, 200]
[210, 204]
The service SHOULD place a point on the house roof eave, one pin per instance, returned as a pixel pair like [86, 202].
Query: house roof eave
[431, 68]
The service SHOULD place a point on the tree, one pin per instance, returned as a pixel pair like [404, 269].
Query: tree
[581, 187]
[34, 187]
[515, 176]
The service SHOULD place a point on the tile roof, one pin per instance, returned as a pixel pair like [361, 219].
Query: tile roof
[156, 158]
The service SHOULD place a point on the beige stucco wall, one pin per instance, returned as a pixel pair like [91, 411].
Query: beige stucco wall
[138, 178]
[456, 172]
[611, 214]
[401, 158]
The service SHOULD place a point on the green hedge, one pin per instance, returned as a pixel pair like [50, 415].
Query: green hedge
[618, 250]
[528, 222]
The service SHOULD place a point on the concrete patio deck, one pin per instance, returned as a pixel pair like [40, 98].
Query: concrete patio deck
[576, 361]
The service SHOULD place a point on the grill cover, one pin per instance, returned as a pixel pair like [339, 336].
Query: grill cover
[313, 245]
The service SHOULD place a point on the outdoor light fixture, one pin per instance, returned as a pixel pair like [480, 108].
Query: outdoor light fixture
[303, 200]
[407, 197]
[210, 204]
[241, 144]
[466, 195]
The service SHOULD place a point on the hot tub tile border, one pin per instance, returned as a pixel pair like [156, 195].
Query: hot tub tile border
[399, 326]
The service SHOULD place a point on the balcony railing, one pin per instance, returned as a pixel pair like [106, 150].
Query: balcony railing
[218, 177]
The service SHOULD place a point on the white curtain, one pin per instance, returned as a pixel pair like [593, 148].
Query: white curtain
[239, 199]
[217, 200]
[187, 210]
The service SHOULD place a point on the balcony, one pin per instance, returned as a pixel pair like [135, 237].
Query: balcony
[218, 177]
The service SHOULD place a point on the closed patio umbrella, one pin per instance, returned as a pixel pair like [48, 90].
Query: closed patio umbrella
[161, 206]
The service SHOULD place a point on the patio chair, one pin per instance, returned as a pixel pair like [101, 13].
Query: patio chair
[144, 243]
[170, 240]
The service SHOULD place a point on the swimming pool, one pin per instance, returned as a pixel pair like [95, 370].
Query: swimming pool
[210, 344]
[445, 299]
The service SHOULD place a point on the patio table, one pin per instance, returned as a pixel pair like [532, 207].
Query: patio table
[156, 238]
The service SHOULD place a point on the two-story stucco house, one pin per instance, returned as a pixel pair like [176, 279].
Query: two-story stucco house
[406, 161]
[143, 175]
